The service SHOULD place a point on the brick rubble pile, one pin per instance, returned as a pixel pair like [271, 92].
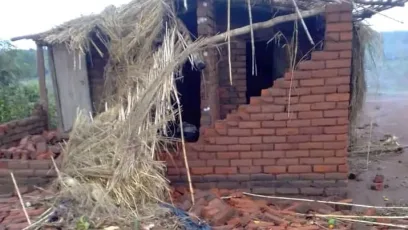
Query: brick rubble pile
[35, 147]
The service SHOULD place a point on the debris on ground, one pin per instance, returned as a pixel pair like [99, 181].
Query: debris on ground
[36, 147]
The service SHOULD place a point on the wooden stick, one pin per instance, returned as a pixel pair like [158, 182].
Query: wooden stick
[261, 25]
[351, 217]
[252, 37]
[375, 223]
[303, 23]
[321, 201]
[20, 198]
[229, 41]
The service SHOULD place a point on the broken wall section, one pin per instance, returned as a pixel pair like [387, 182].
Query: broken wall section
[274, 145]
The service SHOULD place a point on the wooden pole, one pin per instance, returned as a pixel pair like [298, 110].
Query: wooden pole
[53, 74]
[41, 79]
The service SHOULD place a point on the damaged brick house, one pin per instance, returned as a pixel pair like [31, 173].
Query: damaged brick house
[273, 112]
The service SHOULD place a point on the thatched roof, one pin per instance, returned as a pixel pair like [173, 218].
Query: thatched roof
[80, 27]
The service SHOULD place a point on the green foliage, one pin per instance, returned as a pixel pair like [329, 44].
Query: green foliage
[82, 224]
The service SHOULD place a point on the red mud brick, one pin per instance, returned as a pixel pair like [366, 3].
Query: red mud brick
[343, 80]
[324, 168]
[310, 115]
[251, 155]
[298, 138]
[228, 155]
[273, 124]
[298, 123]
[286, 146]
[299, 107]
[336, 113]
[311, 161]
[272, 108]
[226, 140]
[340, 63]
[311, 65]
[338, 46]
[262, 116]
[336, 129]
[339, 27]
[263, 132]
[216, 163]
[284, 116]
[273, 139]
[325, 137]
[324, 55]
[241, 162]
[249, 124]
[343, 168]
[225, 170]
[287, 161]
[250, 140]
[324, 122]
[300, 169]
[324, 89]
[312, 82]
[311, 98]
[264, 162]
[239, 147]
[250, 169]
[287, 131]
[202, 170]
[297, 153]
[334, 160]
[239, 132]
[311, 130]
[322, 153]
[273, 154]
[274, 169]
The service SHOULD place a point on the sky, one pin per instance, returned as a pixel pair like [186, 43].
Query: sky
[22, 17]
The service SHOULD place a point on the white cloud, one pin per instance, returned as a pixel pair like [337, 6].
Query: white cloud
[22, 17]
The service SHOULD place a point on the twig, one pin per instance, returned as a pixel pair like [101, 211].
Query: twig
[374, 223]
[261, 25]
[303, 22]
[183, 145]
[229, 41]
[43, 217]
[320, 201]
[351, 217]
[252, 37]
[20, 198]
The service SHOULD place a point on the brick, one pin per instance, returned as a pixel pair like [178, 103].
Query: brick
[346, 17]
[311, 130]
[324, 122]
[250, 155]
[335, 160]
[299, 123]
[338, 46]
[346, 36]
[239, 132]
[242, 177]
[339, 27]
[262, 116]
[287, 191]
[198, 163]
[301, 91]
[299, 107]
[341, 153]
[252, 108]
[336, 113]
[239, 147]
[298, 138]
[311, 160]
[312, 191]
[284, 117]
[249, 124]
[272, 108]
[333, 17]
[241, 162]
[274, 169]
[323, 106]
[312, 82]
[286, 146]
[250, 169]
[273, 154]
[287, 131]
[343, 80]
[228, 155]
[300, 169]
[346, 54]
[311, 176]
[263, 132]
[336, 129]
[264, 191]
[262, 177]
[311, 145]
[226, 170]
[264, 162]
[333, 36]
[250, 140]
[287, 177]
[324, 55]
[217, 163]
[312, 98]
[202, 170]
[206, 156]
[287, 161]
[324, 168]
[215, 148]
[310, 114]
[338, 97]
[325, 137]
[39, 164]
[341, 192]
[273, 139]
[343, 88]
[322, 153]
[324, 89]
[286, 100]
[344, 72]
[343, 168]
[278, 92]
[311, 65]
[340, 63]
[325, 73]
[261, 147]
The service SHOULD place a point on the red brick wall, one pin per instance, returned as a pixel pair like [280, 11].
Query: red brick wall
[11, 132]
[271, 146]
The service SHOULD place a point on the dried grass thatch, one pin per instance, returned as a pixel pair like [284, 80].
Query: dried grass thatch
[367, 50]
[110, 171]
